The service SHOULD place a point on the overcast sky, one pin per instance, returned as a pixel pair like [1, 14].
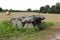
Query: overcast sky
[25, 4]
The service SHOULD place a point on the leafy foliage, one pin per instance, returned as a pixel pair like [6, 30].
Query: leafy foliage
[52, 9]
[29, 10]
[0, 9]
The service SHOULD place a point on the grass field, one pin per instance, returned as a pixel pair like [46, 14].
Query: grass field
[49, 17]
[47, 34]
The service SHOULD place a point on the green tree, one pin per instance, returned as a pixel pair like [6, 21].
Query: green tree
[47, 8]
[10, 10]
[0, 9]
[29, 10]
[53, 9]
[5, 10]
[57, 7]
[42, 9]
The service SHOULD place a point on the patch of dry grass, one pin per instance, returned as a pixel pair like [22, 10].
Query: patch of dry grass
[49, 17]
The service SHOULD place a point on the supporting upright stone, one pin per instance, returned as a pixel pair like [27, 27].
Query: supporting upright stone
[28, 22]
[19, 24]
[16, 22]
[28, 25]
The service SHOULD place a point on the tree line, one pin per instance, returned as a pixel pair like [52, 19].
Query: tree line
[43, 9]
[53, 9]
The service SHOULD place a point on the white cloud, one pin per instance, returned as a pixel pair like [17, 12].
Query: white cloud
[25, 4]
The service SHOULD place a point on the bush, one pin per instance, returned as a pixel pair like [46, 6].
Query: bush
[47, 24]
[36, 28]
[43, 25]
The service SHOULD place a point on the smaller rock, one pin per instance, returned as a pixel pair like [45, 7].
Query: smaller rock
[19, 24]
[16, 22]
[28, 25]
[13, 22]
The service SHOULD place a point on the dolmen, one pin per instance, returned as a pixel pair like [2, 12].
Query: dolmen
[27, 21]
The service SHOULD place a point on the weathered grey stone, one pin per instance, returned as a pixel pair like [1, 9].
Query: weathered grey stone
[28, 25]
[25, 16]
[41, 17]
[16, 22]
[19, 24]
[27, 20]
[38, 18]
